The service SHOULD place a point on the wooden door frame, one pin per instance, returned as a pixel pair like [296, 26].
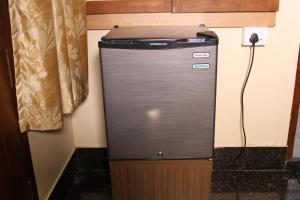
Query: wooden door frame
[294, 113]
[14, 145]
[28, 166]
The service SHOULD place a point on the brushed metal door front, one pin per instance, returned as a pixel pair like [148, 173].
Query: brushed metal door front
[159, 104]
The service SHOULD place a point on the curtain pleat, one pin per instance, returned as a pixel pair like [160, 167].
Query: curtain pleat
[50, 57]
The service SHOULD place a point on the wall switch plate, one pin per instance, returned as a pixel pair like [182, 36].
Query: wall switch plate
[262, 33]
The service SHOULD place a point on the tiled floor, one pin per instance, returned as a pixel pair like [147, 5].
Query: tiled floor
[226, 185]
[254, 185]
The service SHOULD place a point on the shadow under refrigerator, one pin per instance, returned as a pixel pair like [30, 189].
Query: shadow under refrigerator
[159, 86]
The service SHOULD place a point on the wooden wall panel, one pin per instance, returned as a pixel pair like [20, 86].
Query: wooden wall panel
[128, 6]
[161, 180]
[225, 5]
[107, 21]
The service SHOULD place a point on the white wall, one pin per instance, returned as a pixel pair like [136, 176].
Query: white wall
[88, 120]
[268, 96]
[50, 153]
[270, 90]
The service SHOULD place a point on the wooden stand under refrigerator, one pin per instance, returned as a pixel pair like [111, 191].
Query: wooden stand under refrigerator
[161, 180]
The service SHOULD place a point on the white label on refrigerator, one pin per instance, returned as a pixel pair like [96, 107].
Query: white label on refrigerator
[201, 66]
[201, 55]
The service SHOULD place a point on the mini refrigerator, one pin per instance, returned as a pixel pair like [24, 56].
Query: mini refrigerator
[159, 86]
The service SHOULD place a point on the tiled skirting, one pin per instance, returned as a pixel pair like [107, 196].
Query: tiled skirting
[64, 185]
[88, 169]
[253, 158]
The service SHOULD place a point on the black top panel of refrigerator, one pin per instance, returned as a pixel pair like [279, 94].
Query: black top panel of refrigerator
[158, 37]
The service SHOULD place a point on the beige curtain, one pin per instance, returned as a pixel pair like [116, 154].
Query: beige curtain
[50, 57]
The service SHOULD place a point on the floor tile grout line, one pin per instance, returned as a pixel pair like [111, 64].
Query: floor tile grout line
[263, 170]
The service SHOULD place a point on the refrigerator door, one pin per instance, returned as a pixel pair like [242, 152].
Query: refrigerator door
[159, 104]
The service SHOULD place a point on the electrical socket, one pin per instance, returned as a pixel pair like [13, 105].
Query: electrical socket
[262, 33]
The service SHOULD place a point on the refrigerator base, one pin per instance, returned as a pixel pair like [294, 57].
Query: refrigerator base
[161, 180]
